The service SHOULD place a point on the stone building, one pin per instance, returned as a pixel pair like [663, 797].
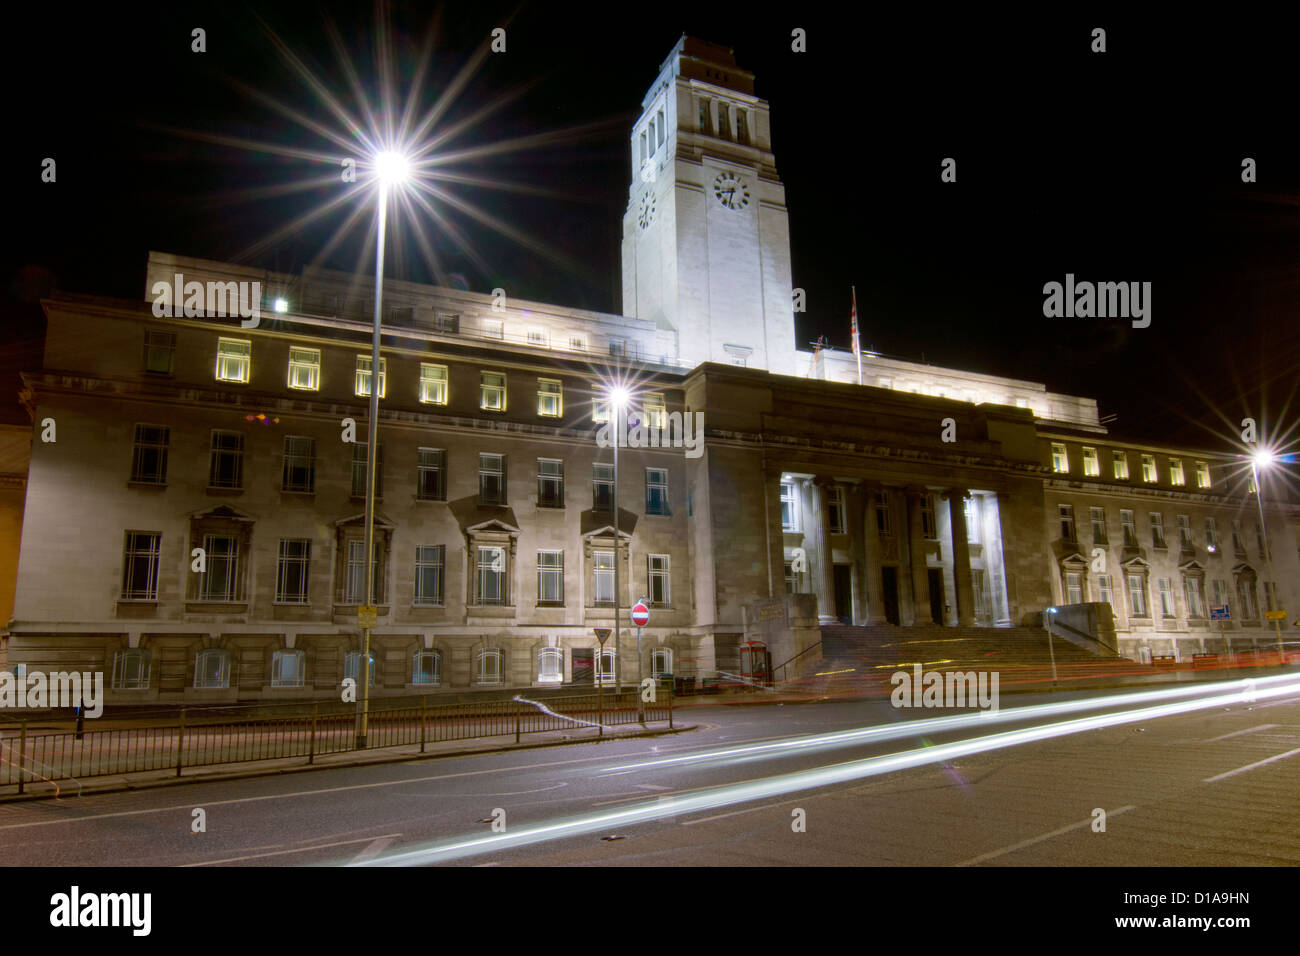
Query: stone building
[194, 527]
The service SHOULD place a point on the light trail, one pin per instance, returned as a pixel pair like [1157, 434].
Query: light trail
[821, 777]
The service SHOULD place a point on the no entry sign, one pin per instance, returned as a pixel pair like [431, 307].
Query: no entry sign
[640, 614]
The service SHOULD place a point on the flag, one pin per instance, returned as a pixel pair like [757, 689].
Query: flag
[853, 322]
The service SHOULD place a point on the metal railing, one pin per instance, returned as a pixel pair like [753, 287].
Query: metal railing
[782, 666]
[68, 756]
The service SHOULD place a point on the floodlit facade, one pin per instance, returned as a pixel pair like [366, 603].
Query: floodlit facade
[193, 524]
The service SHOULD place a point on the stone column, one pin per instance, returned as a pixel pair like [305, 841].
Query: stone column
[916, 539]
[819, 555]
[857, 550]
[961, 555]
[775, 542]
[871, 545]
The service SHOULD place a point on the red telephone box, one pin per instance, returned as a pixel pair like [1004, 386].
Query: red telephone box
[755, 662]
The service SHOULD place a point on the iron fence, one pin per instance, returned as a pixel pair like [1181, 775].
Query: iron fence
[68, 756]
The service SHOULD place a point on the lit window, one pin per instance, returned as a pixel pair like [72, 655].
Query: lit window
[494, 328]
[429, 563]
[363, 376]
[131, 669]
[789, 507]
[212, 668]
[291, 571]
[304, 368]
[140, 566]
[656, 491]
[1060, 460]
[226, 460]
[1091, 464]
[599, 406]
[1176, 471]
[299, 473]
[433, 384]
[1120, 460]
[234, 360]
[550, 483]
[603, 574]
[655, 411]
[149, 457]
[492, 392]
[159, 351]
[660, 583]
[550, 665]
[550, 577]
[288, 668]
[1149, 469]
[550, 398]
[492, 479]
[431, 475]
[1202, 474]
[426, 667]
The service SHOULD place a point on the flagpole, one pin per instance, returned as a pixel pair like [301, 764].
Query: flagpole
[857, 348]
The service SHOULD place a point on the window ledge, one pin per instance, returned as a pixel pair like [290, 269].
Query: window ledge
[291, 604]
[297, 491]
[216, 607]
[154, 485]
[426, 607]
[442, 500]
[214, 490]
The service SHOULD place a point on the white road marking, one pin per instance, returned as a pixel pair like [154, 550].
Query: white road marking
[372, 851]
[651, 786]
[1250, 766]
[1238, 733]
[736, 813]
[301, 849]
[1039, 839]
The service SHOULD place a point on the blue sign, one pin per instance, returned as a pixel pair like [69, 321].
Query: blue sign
[1219, 612]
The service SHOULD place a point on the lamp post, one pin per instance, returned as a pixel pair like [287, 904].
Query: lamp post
[1051, 651]
[391, 169]
[1264, 458]
[617, 401]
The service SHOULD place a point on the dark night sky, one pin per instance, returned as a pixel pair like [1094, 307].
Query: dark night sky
[1122, 166]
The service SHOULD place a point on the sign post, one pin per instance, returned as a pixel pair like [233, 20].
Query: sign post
[602, 635]
[1221, 613]
[640, 617]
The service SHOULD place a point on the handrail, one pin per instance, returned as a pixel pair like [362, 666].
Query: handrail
[795, 658]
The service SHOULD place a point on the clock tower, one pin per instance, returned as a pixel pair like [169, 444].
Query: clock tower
[706, 236]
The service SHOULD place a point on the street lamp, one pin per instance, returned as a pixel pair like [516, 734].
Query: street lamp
[618, 396]
[1263, 459]
[391, 170]
[1050, 613]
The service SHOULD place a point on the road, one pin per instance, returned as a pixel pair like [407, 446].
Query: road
[1210, 787]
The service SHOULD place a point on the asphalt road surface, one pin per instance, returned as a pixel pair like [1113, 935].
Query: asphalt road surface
[757, 786]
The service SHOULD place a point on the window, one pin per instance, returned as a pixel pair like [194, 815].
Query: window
[742, 127]
[131, 669]
[1157, 530]
[1104, 589]
[1120, 461]
[650, 136]
[660, 128]
[724, 121]
[352, 667]
[602, 487]
[493, 328]
[1129, 527]
[487, 666]
[929, 526]
[1138, 595]
[1211, 536]
[359, 459]
[491, 479]
[291, 571]
[354, 573]
[1185, 532]
[212, 668]
[288, 668]
[1195, 600]
[363, 376]
[1091, 464]
[605, 672]
[299, 472]
[603, 565]
[426, 667]
[1073, 587]
[1066, 513]
[577, 343]
[550, 665]
[429, 562]
[655, 411]
[1149, 474]
[1097, 516]
[706, 125]
[550, 398]
[656, 491]
[791, 579]
[1238, 542]
[149, 457]
[1249, 603]
[433, 384]
[226, 461]
[550, 483]
[644, 155]
[970, 507]
[304, 368]
[599, 406]
[234, 360]
[789, 507]
[140, 566]
[159, 351]
[538, 337]
[661, 662]
[220, 582]
[617, 347]
[1202, 474]
[431, 475]
[492, 392]
[660, 582]
[1220, 591]
[882, 513]
[491, 575]
[1060, 459]
[1176, 471]
[835, 513]
[1166, 598]
[550, 577]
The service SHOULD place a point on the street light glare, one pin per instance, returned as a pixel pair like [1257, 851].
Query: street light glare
[618, 395]
[392, 168]
[1263, 458]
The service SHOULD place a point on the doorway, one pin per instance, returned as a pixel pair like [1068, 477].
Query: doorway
[584, 665]
[935, 578]
[843, 593]
[889, 582]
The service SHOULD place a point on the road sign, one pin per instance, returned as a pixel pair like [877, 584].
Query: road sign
[1275, 615]
[640, 614]
[602, 634]
[1219, 612]
[368, 616]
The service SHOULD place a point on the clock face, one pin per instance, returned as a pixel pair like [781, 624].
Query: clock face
[731, 190]
[647, 213]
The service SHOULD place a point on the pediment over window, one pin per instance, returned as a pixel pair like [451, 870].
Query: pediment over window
[1074, 561]
[380, 521]
[1191, 567]
[1136, 563]
[1243, 569]
[221, 513]
[492, 525]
